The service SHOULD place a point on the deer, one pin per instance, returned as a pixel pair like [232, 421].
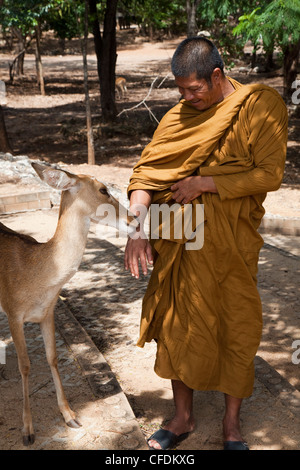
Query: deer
[121, 87]
[32, 273]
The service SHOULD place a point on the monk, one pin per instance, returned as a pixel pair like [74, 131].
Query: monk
[222, 146]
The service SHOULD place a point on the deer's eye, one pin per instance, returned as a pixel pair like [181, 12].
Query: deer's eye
[103, 191]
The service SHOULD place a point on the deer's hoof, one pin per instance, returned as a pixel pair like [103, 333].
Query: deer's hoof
[73, 423]
[28, 439]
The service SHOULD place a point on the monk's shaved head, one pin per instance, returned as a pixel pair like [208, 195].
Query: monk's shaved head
[196, 55]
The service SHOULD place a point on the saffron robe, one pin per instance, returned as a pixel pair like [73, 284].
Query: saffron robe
[202, 306]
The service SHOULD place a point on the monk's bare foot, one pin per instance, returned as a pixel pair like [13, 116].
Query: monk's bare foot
[231, 429]
[177, 427]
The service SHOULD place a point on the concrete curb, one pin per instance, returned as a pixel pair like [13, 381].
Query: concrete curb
[25, 202]
[280, 225]
[101, 379]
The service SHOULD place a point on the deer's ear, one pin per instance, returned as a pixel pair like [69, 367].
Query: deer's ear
[57, 179]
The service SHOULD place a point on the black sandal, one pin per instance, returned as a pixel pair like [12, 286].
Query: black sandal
[166, 439]
[235, 445]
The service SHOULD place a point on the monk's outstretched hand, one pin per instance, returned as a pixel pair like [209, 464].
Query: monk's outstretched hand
[138, 250]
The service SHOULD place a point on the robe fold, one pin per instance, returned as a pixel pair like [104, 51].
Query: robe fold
[202, 305]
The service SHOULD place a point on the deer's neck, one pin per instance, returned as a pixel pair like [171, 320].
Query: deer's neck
[70, 238]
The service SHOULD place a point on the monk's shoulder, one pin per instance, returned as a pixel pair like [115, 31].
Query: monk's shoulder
[265, 101]
[265, 95]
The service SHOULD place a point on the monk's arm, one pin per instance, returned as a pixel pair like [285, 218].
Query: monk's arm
[267, 144]
[138, 248]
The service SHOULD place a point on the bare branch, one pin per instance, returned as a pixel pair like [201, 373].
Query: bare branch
[163, 80]
[143, 102]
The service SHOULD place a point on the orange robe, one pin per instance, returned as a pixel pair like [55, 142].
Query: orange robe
[202, 306]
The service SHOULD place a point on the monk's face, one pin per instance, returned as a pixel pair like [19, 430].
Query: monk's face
[201, 94]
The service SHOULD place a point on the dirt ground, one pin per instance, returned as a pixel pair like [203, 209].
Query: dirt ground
[101, 295]
[52, 127]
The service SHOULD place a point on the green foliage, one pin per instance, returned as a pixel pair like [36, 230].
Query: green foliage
[280, 22]
[161, 14]
[219, 17]
[26, 15]
[248, 25]
[231, 22]
[64, 19]
[276, 23]
[249, 28]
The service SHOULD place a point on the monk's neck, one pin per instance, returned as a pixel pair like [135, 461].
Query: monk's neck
[226, 88]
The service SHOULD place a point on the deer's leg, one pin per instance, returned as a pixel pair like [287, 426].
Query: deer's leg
[48, 332]
[17, 333]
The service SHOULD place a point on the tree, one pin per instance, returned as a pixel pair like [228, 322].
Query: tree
[67, 20]
[71, 19]
[4, 141]
[106, 52]
[25, 18]
[276, 24]
[63, 20]
[38, 58]
[280, 26]
[191, 8]
[219, 17]
[90, 139]
[249, 28]
[156, 15]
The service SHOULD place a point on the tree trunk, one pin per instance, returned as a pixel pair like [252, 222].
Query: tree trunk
[38, 61]
[269, 61]
[4, 142]
[269, 56]
[106, 52]
[89, 127]
[253, 58]
[20, 60]
[20, 51]
[191, 8]
[108, 62]
[290, 65]
[11, 65]
[20, 63]
[150, 31]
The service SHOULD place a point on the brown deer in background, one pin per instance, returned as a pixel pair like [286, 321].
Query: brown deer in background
[121, 87]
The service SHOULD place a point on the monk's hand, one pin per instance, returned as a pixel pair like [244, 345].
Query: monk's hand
[188, 189]
[138, 250]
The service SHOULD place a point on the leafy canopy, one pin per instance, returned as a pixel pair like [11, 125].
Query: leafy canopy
[276, 23]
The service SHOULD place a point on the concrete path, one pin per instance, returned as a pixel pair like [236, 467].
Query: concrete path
[95, 393]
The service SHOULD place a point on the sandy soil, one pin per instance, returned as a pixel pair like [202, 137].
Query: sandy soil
[52, 127]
